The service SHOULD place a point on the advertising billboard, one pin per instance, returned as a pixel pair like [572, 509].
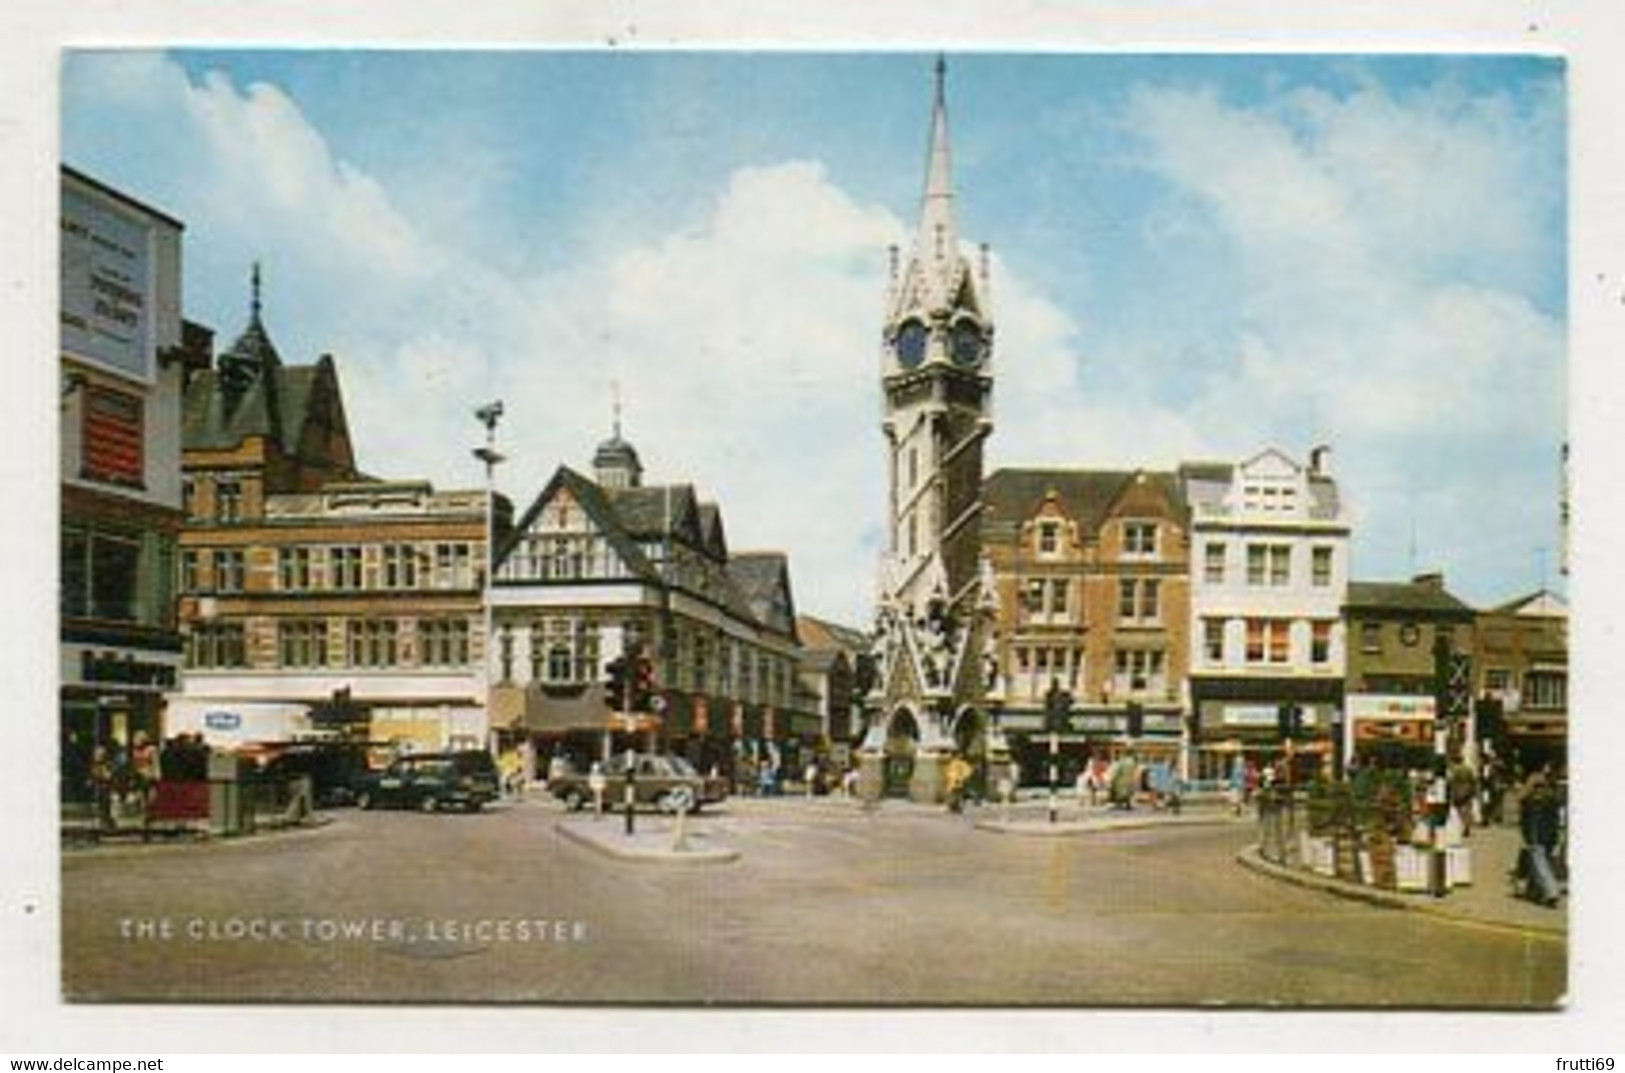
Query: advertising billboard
[107, 285]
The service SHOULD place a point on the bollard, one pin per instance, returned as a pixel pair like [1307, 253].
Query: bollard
[631, 799]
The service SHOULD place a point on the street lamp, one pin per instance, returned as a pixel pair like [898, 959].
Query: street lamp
[488, 415]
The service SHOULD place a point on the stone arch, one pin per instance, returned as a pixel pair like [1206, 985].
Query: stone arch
[902, 742]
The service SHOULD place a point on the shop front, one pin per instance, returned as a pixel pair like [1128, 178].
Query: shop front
[1238, 721]
[110, 696]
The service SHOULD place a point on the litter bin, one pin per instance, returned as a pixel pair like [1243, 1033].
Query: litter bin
[226, 814]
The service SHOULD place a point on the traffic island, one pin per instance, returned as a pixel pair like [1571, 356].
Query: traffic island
[659, 845]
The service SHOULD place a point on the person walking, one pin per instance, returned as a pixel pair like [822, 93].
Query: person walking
[1538, 820]
[955, 778]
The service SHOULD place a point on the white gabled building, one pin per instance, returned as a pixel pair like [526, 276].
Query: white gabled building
[604, 567]
[1269, 567]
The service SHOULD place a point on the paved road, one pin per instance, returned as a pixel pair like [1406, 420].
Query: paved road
[826, 905]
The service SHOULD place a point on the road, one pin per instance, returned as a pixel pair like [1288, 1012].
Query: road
[825, 905]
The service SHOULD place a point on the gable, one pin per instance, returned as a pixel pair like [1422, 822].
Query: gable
[570, 533]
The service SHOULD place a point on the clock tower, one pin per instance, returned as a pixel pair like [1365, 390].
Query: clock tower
[934, 613]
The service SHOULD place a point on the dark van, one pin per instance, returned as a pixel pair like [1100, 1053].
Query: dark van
[431, 781]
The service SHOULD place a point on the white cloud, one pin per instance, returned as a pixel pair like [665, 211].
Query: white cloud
[1384, 246]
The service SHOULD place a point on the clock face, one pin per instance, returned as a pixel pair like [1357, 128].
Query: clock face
[911, 344]
[967, 343]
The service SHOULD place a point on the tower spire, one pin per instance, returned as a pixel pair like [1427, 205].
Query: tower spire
[254, 299]
[935, 242]
[615, 403]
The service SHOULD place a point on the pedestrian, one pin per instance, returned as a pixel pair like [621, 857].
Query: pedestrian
[810, 777]
[1249, 782]
[101, 785]
[1538, 820]
[1236, 786]
[143, 771]
[957, 775]
[1462, 787]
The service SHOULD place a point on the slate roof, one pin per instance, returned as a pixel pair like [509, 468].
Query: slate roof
[817, 633]
[646, 511]
[1406, 596]
[1014, 495]
[762, 577]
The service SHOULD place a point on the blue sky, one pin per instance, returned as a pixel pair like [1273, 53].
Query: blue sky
[1194, 257]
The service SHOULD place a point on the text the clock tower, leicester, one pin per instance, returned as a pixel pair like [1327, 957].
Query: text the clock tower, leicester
[934, 614]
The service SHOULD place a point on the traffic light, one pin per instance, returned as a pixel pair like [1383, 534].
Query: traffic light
[643, 684]
[1057, 709]
[1136, 719]
[1289, 720]
[1488, 716]
[615, 683]
[1452, 679]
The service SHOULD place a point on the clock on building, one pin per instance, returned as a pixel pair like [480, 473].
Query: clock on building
[911, 344]
[967, 343]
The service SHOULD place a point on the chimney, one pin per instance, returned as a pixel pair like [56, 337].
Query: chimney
[1433, 582]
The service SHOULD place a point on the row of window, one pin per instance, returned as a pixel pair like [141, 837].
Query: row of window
[567, 650]
[1268, 641]
[1036, 668]
[1139, 600]
[563, 558]
[1268, 564]
[337, 568]
[1542, 690]
[307, 644]
[1139, 539]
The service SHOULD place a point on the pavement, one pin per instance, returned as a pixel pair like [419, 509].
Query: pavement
[654, 840]
[1489, 899]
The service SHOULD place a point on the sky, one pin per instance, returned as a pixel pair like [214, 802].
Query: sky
[1194, 257]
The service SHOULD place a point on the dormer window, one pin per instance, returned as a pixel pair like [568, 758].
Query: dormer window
[1049, 538]
[1140, 540]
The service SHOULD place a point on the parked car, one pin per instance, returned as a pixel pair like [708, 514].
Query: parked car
[430, 781]
[337, 769]
[668, 783]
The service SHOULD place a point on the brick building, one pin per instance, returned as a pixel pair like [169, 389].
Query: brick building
[1090, 570]
[311, 594]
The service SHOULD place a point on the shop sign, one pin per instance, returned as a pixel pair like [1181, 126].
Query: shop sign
[1250, 715]
[106, 286]
[1380, 706]
[222, 720]
[107, 667]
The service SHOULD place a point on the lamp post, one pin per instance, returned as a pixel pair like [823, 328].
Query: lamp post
[488, 415]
